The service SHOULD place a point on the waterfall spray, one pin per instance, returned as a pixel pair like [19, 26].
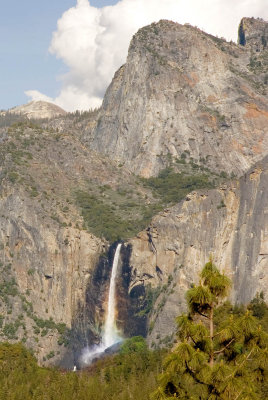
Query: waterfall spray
[110, 334]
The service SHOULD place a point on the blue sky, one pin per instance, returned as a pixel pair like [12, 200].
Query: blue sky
[26, 28]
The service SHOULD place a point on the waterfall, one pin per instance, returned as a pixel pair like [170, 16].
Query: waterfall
[110, 334]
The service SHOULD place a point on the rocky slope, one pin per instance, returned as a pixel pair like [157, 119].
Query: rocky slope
[183, 91]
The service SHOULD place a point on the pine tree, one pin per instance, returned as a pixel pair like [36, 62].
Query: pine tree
[214, 361]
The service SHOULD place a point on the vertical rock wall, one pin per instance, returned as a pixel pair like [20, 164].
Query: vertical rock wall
[230, 224]
[50, 267]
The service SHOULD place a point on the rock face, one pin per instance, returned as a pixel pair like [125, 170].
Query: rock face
[229, 224]
[38, 110]
[182, 95]
[47, 259]
[50, 268]
[182, 90]
[54, 277]
[253, 33]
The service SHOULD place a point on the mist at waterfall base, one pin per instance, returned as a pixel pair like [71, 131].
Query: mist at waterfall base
[110, 336]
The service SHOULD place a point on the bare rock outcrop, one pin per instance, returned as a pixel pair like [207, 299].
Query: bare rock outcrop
[253, 33]
[182, 90]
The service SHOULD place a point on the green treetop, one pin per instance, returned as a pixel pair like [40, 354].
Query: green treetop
[221, 360]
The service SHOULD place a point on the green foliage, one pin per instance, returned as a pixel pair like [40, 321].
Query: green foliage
[100, 217]
[50, 324]
[13, 176]
[8, 288]
[50, 355]
[30, 271]
[151, 296]
[102, 220]
[218, 284]
[151, 326]
[221, 205]
[43, 326]
[122, 212]
[19, 157]
[11, 119]
[120, 377]
[172, 187]
[258, 306]
[135, 344]
[260, 310]
[10, 330]
[217, 359]
[219, 117]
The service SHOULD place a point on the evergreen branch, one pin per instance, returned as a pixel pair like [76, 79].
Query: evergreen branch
[191, 372]
[238, 395]
[203, 315]
[218, 333]
[240, 365]
[224, 348]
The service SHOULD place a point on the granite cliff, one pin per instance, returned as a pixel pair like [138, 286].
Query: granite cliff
[186, 95]
[183, 91]
[228, 223]
[185, 103]
[54, 271]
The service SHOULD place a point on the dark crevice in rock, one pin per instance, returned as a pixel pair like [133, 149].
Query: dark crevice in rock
[241, 35]
[150, 240]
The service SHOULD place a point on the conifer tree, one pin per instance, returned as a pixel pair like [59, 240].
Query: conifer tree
[223, 361]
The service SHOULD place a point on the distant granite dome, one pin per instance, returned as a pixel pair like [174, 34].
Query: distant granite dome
[38, 109]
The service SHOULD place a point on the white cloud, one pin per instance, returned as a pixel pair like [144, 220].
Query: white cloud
[93, 42]
[36, 95]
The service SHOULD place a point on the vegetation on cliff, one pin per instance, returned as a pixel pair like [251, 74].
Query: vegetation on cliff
[122, 213]
[172, 186]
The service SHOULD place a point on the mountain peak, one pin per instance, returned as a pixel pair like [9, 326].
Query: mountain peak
[38, 109]
[177, 94]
